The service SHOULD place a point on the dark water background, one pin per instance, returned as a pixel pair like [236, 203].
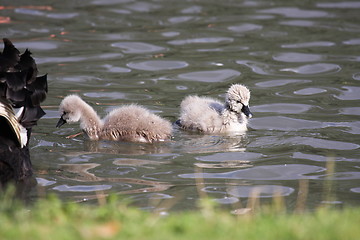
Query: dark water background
[299, 58]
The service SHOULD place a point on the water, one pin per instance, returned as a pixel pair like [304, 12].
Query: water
[300, 60]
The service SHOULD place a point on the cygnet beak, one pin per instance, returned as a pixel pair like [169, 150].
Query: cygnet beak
[246, 111]
[60, 122]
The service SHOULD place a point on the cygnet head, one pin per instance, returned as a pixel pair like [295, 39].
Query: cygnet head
[70, 110]
[237, 99]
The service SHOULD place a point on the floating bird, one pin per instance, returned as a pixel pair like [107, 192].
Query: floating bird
[20, 89]
[208, 115]
[126, 123]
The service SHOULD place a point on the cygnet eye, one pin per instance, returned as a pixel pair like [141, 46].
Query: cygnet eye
[238, 101]
[65, 115]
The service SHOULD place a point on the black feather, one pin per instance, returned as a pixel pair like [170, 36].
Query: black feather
[19, 87]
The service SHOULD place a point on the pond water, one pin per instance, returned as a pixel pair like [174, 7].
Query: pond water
[300, 60]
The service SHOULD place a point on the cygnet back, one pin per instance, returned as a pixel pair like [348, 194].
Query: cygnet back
[135, 123]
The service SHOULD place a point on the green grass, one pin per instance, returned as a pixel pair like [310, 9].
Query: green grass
[53, 219]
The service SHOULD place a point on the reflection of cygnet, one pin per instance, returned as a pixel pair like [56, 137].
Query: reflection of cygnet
[127, 123]
[208, 115]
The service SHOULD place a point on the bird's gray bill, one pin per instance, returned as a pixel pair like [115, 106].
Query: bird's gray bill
[60, 122]
[246, 111]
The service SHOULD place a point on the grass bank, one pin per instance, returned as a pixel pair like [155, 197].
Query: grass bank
[53, 219]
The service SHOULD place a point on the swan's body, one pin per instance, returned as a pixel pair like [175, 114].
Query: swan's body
[209, 115]
[127, 123]
[19, 88]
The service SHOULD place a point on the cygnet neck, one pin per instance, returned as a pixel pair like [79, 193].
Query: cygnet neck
[90, 122]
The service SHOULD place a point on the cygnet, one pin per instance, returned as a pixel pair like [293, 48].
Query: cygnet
[209, 115]
[131, 123]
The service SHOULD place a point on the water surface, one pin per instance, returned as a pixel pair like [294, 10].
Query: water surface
[300, 60]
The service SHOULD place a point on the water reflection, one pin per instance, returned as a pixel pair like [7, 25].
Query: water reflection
[157, 65]
[282, 108]
[297, 57]
[245, 27]
[210, 76]
[83, 175]
[293, 12]
[201, 40]
[109, 147]
[263, 191]
[314, 68]
[194, 143]
[310, 91]
[137, 47]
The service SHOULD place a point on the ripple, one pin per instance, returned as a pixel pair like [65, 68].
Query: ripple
[299, 23]
[282, 108]
[355, 190]
[210, 76]
[281, 82]
[246, 27]
[40, 45]
[225, 164]
[297, 57]
[60, 59]
[44, 182]
[202, 40]
[257, 67]
[82, 188]
[229, 156]
[108, 2]
[350, 111]
[355, 41]
[355, 127]
[344, 176]
[138, 47]
[350, 4]
[270, 172]
[180, 19]
[114, 69]
[261, 17]
[143, 6]
[137, 162]
[78, 79]
[314, 68]
[117, 95]
[226, 200]
[351, 93]
[323, 143]
[170, 34]
[309, 44]
[78, 58]
[62, 15]
[356, 76]
[263, 191]
[107, 56]
[319, 158]
[293, 12]
[274, 34]
[121, 11]
[310, 91]
[34, 12]
[192, 10]
[156, 65]
[283, 123]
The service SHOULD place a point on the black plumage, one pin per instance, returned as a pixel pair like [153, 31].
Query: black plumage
[20, 87]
